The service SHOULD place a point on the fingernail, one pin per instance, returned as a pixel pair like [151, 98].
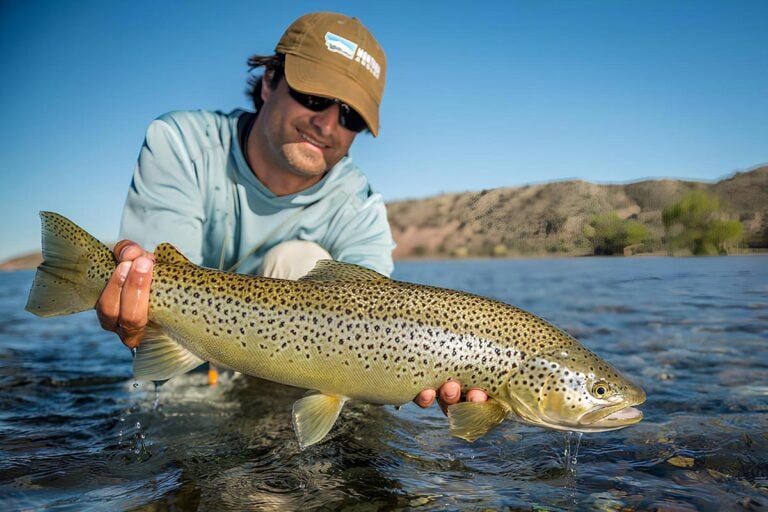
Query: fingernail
[451, 395]
[122, 270]
[142, 264]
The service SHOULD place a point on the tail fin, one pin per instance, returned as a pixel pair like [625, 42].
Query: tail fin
[74, 271]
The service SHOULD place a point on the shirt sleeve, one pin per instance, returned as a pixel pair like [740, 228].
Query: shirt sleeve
[164, 202]
[363, 235]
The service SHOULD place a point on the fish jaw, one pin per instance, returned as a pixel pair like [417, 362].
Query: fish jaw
[597, 415]
[613, 417]
[619, 419]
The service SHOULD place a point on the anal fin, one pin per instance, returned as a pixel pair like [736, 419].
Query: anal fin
[314, 415]
[472, 420]
[160, 358]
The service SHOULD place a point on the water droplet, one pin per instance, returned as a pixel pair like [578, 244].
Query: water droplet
[138, 425]
[156, 402]
[135, 385]
[570, 456]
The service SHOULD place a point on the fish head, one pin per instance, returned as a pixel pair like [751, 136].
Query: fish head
[571, 388]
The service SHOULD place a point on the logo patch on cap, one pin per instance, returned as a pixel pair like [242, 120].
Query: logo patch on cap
[340, 45]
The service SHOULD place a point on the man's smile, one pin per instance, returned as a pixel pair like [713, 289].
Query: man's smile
[312, 141]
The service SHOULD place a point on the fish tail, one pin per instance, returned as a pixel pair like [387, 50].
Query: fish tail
[74, 271]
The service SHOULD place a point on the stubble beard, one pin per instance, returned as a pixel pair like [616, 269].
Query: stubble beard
[304, 161]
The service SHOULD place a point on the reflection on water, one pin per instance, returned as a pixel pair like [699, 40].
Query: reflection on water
[75, 433]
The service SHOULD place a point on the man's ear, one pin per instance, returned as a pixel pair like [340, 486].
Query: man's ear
[265, 88]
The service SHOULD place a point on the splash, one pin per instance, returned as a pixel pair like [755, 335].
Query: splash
[156, 402]
[571, 456]
[133, 440]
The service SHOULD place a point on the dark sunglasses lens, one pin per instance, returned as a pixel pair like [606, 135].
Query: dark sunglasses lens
[350, 119]
[314, 103]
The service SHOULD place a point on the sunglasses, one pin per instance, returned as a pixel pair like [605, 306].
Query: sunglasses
[348, 117]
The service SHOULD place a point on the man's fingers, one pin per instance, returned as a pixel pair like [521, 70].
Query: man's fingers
[425, 398]
[127, 250]
[476, 395]
[134, 298]
[132, 339]
[450, 393]
[119, 247]
[108, 306]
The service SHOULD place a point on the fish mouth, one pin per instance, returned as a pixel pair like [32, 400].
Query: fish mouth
[621, 418]
[612, 417]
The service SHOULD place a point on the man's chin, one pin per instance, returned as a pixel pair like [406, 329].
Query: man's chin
[305, 161]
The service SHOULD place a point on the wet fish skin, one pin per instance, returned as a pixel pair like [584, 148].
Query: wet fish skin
[346, 332]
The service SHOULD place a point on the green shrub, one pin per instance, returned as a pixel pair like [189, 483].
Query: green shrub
[609, 234]
[698, 223]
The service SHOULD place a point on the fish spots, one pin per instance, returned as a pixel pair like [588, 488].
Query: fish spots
[412, 334]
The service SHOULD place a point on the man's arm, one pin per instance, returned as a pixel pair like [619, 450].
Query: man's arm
[163, 204]
[165, 200]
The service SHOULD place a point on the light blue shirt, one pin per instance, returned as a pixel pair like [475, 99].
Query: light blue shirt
[193, 188]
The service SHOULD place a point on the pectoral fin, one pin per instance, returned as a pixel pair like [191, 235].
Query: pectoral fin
[160, 358]
[472, 420]
[314, 415]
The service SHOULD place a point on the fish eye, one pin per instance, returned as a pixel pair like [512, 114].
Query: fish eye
[600, 389]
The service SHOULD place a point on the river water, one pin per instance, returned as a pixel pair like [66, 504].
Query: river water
[77, 433]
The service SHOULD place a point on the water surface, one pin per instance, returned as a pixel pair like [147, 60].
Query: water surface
[77, 433]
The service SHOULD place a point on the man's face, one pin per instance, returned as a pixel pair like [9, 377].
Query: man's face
[304, 142]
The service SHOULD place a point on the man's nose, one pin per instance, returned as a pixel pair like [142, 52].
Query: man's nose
[327, 120]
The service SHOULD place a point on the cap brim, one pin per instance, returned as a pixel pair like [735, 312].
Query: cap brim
[312, 78]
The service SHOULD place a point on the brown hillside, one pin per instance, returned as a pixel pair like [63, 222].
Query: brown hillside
[550, 218]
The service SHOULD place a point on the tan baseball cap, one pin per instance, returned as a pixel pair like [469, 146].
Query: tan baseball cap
[333, 55]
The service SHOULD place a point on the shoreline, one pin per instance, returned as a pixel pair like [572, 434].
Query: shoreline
[31, 261]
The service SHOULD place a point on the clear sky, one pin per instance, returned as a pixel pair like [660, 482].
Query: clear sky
[479, 94]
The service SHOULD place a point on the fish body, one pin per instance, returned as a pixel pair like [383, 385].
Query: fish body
[345, 332]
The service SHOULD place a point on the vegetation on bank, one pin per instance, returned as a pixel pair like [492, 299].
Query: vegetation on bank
[575, 217]
[698, 224]
[610, 235]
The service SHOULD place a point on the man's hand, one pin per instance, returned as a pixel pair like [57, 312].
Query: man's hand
[448, 394]
[124, 303]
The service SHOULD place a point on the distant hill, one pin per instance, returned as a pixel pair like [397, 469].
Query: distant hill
[546, 219]
[22, 262]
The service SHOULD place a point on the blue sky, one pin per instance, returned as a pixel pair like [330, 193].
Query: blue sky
[479, 94]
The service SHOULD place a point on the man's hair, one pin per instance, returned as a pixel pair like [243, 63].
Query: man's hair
[274, 64]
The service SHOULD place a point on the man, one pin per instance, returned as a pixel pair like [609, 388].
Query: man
[269, 192]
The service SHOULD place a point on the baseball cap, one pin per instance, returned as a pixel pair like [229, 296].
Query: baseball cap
[333, 55]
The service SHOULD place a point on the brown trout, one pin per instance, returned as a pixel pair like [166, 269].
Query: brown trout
[346, 332]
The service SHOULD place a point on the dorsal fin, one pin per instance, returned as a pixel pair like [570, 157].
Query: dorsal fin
[169, 255]
[331, 270]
